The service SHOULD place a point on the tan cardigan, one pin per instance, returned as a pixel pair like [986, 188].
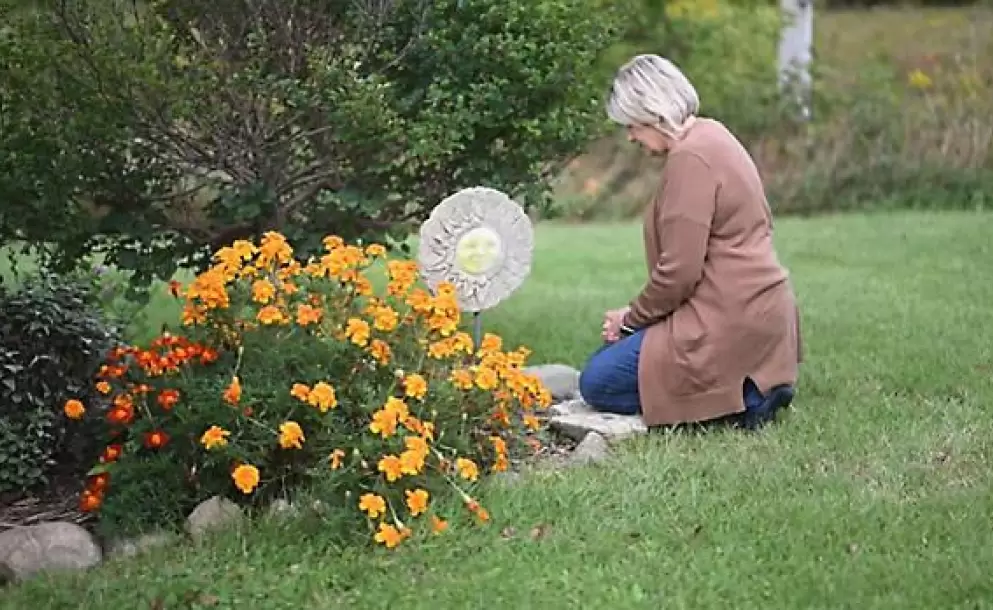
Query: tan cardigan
[718, 304]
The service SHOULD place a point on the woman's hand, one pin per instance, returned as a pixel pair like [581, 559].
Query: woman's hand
[612, 324]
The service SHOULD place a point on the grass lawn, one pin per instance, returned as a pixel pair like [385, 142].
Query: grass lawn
[876, 492]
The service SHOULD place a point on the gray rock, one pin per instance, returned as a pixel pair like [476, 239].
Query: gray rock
[591, 450]
[47, 547]
[129, 547]
[282, 508]
[560, 379]
[575, 419]
[213, 514]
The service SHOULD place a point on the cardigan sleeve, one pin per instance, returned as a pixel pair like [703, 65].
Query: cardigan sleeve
[683, 218]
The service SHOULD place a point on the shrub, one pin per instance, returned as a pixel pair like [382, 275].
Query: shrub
[157, 131]
[290, 373]
[52, 340]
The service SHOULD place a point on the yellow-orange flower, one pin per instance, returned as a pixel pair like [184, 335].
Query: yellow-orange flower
[380, 350]
[74, 409]
[270, 314]
[291, 435]
[308, 315]
[103, 387]
[300, 391]
[263, 291]
[384, 423]
[246, 478]
[417, 501]
[335, 458]
[390, 466]
[357, 331]
[439, 350]
[375, 250]
[389, 535]
[323, 396]
[214, 437]
[486, 378]
[233, 392]
[274, 248]
[438, 525]
[385, 319]
[412, 462]
[372, 504]
[467, 469]
[490, 344]
[461, 379]
[415, 386]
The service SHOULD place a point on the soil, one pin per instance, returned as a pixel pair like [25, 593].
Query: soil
[57, 502]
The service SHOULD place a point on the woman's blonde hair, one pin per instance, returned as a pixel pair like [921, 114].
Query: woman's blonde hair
[651, 90]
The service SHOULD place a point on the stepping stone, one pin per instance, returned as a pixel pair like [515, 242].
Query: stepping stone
[561, 380]
[592, 450]
[576, 419]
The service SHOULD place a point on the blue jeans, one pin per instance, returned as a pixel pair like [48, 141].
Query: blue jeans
[609, 381]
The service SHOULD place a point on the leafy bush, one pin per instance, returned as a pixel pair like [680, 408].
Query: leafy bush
[52, 340]
[288, 374]
[158, 131]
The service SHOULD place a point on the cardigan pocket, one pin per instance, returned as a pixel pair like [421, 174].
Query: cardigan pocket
[693, 353]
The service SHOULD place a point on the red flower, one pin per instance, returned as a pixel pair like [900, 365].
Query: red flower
[89, 501]
[111, 453]
[98, 483]
[168, 398]
[156, 439]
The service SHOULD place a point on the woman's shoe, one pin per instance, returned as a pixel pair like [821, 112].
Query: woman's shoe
[765, 412]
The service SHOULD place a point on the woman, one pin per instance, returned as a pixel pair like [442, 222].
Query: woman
[714, 333]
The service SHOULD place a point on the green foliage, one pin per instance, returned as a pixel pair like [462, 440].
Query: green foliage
[53, 340]
[155, 133]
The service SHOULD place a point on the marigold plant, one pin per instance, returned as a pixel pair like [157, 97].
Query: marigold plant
[287, 371]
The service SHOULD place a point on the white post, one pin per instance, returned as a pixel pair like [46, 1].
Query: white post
[796, 44]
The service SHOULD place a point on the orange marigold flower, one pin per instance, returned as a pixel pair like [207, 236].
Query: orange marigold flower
[357, 331]
[291, 435]
[531, 422]
[412, 462]
[232, 395]
[322, 396]
[111, 454]
[380, 350]
[417, 501]
[335, 458]
[90, 501]
[439, 350]
[300, 392]
[486, 379]
[385, 318]
[307, 314]
[461, 379]
[156, 439]
[214, 437]
[491, 343]
[103, 387]
[438, 525]
[246, 478]
[375, 250]
[390, 466]
[415, 386]
[384, 423]
[270, 314]
[274, 248]
[389, 535]
[74, 409]
[467, 469]
[167, 399]
[372, 504]
[263, 291]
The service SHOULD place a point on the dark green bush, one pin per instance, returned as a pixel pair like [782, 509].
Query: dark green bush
[52, 339]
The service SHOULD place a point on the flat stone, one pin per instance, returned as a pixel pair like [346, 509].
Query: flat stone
[561, 380]
[591, 450]
[212, 514]
[281, 508]
[575, 419]
[47, 547]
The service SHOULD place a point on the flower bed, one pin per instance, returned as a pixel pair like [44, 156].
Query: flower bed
[286, 373]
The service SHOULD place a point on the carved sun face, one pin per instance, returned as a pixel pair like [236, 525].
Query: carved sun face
[478, 251]
[481, 241]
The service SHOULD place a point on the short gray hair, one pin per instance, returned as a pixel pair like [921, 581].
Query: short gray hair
[651, 90]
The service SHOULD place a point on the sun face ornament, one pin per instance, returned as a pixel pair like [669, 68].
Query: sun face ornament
[480, 241]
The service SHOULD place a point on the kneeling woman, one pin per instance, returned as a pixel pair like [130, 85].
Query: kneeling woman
[714, 333]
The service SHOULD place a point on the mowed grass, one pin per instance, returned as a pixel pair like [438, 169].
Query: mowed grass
[875, 492]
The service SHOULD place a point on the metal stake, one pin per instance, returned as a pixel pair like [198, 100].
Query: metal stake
[477, 329]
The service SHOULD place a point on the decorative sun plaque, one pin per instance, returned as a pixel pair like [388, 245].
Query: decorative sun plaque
[481, 241]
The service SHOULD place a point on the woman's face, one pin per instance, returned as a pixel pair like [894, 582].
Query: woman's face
[649, 138]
